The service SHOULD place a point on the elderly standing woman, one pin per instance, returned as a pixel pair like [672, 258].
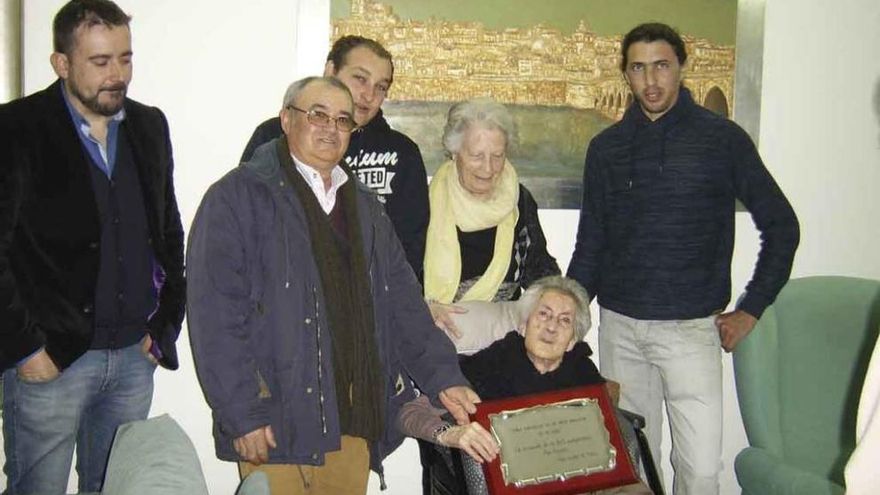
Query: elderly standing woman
[484, 241]
[545, 353]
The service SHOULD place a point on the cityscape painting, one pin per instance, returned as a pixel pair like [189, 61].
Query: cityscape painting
[555, 64]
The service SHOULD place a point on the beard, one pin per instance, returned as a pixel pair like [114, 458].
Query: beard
[93, 103]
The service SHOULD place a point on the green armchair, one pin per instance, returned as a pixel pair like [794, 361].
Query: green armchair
[798, 378]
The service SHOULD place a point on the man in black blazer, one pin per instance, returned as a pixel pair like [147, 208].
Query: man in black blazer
[91, 256]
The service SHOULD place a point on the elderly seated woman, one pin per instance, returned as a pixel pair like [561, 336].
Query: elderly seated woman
[546, 353]
[484, 241]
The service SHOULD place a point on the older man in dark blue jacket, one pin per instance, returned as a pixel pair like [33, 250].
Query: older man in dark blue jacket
[306, 319]
[655, 242]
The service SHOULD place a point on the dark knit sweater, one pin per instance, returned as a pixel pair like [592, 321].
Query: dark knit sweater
[124, 291]
[504, 370]
[338, 249]
[656, 230]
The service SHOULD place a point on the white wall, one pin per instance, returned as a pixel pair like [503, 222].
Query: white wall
[820, 128]
[217, 72]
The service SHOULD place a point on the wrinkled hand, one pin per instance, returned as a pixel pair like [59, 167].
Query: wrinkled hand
[254, 447]
[146, 344]
[459, 401]
[440, 312]
[473, 439]
[38, 369]
[733, 327]
[613, 389]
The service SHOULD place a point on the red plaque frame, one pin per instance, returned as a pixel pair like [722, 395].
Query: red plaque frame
[622, 474]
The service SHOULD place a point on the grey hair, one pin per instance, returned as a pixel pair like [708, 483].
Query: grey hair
[567, 286]
[297, 87]
[480, 112]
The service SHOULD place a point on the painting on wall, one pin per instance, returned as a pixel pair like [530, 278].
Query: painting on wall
[555, 64]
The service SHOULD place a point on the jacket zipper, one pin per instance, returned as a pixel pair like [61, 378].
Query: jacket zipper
[372, 253]
[381, 471]
[320, 362]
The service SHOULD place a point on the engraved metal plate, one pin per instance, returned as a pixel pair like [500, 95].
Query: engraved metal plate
[553, 442]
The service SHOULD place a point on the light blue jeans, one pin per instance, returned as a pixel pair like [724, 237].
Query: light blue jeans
[42, 422]
[679, 362]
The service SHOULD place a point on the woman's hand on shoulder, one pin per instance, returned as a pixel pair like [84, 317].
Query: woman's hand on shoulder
[473, 439]
[441, 314]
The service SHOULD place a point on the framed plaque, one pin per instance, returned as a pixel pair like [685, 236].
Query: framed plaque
[561, 442]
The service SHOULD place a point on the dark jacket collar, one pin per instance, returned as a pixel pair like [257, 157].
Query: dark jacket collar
[266, 165]
[634, 115]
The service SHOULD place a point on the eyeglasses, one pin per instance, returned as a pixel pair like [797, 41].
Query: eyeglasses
[562, 320]
[343, 123]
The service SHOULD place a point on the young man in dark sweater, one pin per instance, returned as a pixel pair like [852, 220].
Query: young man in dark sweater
[385, 160]
[655, 242]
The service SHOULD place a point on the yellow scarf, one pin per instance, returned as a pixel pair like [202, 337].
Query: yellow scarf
[451, 206]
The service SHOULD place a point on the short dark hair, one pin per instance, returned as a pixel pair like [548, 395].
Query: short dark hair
[76, 13]
[653, 31]
[339, 50]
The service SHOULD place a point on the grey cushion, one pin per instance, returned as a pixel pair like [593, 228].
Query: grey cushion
[255, 484]
[153, 457]
[484, 323]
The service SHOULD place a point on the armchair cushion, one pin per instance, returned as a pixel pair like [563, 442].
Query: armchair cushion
[255, 484]
[153, 457]
[798, 377]
[759, 472]
[484, 323]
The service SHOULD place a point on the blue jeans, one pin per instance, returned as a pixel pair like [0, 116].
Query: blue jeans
[83, 406]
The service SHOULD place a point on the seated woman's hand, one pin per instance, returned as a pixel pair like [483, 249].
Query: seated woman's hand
[613, 391]
[441, 314]
[473, 439]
